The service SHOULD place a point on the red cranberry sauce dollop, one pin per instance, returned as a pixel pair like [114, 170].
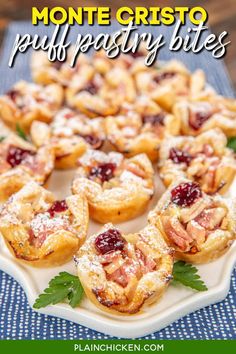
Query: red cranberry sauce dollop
[12, 94]
[154, 119]
[57, 207]
[16, 155]
[103, 171]
[136, 54]
[109, 241]
[91, 88]
[93, 140]
[186, 194]
[57, 64]
[162, 76]
[196, 120]
[180, 156]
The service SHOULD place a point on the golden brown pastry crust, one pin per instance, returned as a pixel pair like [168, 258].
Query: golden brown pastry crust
[204, 159]
[124, 280]
[117, 189]
[70, 134]
[200, 232]
[38, 236]
[20, 163]
[27, 102]
[140, 127]
[205, 113]
[45, 72]
[84, 93]
[169, 83]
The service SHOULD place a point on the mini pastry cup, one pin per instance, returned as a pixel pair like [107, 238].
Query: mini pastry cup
[12, 114]
[60, 246]
[224, 172]
[217, 242]
[120, 203]
[112, 297]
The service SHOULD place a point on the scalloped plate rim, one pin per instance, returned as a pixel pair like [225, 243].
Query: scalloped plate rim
[138, 328]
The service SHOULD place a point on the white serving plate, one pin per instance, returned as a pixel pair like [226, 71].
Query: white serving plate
[177, 302]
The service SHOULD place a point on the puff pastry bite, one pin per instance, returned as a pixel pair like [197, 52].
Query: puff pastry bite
[70, 134]
[20, 162]
[140, 128]
[121, 273]
[46, 72]
[204, 159]
[41, 231]
[169, 82]
[199, 115]
[200, 227]
[117, 189]
[26, 102]
[84, 93]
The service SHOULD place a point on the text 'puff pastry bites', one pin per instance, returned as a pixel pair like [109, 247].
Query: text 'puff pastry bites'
[41, 231]
[202, 114]
[120, 273]
[117, 189]
[27, 102]
[70, 134]
[20, 162]
[140, 128]
[169, 82]
[200, 227]
[204, 159]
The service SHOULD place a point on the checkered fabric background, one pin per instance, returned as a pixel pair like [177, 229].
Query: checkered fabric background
[17, 319]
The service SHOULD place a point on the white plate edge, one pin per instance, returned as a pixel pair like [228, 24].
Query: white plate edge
[138, 328]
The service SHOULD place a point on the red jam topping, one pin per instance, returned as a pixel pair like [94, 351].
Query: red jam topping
[12, 94]
[57, 207]
[109, 241]
[162, 76]
[186, 194]
[91, 88]
[154, 119]
[93, 140]
[198, 119]
[180, 156]
[16, 155]
[103, 171]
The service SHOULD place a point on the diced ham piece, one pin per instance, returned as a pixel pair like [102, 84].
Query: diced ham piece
[176, 233]
[210, 219]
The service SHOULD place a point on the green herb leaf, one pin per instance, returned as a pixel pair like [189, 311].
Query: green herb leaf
[21, 132]
[2, 138]
[186, 274]
[63, 286]
[232, 143]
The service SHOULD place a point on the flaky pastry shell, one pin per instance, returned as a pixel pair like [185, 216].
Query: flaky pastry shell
[204, 159]
[122, 273]
[40, 231]
[70, 135]
[200, 227]
[117, 189]
[205, 113]
[27, 102]
[20, 162]
[140, 128]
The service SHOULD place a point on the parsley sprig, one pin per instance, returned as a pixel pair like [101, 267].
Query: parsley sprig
[63, 286]
[21, 132]
[2, 138]
[232, 143]
[186, 274]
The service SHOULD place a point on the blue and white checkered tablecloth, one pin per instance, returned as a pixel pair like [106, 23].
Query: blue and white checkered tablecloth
[17, 319]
